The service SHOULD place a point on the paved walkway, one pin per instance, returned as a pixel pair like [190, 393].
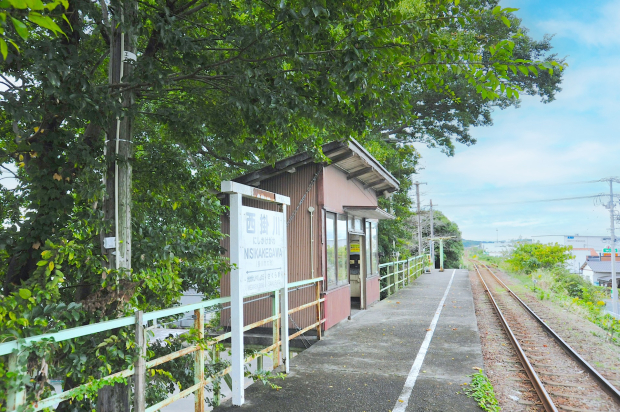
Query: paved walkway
[366, 364]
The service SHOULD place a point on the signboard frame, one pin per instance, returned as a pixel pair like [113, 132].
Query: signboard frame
[237, 192]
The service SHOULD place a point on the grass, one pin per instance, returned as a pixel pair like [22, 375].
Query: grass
[573, 293]
[481, 390]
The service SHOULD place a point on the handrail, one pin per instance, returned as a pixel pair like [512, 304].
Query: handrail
[79, 331]
[9, 348]
[304, 282]
[401, 273]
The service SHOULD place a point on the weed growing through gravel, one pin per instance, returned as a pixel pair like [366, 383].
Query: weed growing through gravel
[482, 392]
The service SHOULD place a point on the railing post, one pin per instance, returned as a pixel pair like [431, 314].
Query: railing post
[393, 278]
[16, 397]
[139, 378]
[215, 356]
[318, 309]
[199, 362]
[408, 271]
[275, 309]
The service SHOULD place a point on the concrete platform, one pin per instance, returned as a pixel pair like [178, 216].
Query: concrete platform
[363, 364]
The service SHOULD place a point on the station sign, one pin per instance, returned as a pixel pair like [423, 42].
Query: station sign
[258, 252]
[261, 258]
[608, 250]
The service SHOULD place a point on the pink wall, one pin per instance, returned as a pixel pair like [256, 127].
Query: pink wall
[339, 192]
[337, 305]
[372, 290]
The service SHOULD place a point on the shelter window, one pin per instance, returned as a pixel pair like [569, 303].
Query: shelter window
[375, 247]
[343, 252]
[330, 234]
[368, 251]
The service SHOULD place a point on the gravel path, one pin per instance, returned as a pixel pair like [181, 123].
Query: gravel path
[582, 335]
[501, 364]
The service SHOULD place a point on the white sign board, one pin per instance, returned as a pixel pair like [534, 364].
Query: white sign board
[258, 253]
[261, 258]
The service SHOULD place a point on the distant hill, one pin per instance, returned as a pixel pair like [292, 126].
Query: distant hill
[470, 243]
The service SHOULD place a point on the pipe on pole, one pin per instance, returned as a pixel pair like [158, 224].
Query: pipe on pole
[614, 284]
[441, 255]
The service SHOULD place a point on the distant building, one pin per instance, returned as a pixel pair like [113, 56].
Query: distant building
[598, 243]
[583, 247]
[580, 255]
[599, 272]
[499, 249]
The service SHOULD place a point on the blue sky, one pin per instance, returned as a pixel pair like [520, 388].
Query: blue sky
[542, 151]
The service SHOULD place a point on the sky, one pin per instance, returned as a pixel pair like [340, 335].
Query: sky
[541, 151]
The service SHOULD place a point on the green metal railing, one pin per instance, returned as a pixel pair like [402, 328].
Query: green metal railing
[17, 398]
[398, 274]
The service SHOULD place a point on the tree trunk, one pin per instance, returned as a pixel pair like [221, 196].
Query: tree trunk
[113, 398]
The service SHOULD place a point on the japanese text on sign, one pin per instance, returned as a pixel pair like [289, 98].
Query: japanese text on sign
[262, 260]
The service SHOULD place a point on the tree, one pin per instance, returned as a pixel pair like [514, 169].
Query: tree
[217, 89]
[529, 257]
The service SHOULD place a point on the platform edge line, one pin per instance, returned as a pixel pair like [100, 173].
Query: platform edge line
[403, 399]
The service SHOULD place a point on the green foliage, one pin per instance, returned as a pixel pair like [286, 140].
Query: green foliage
[529, 257]
[578, 295]
[220, 89]
[452, 248]
[482, 391]
[26, 16]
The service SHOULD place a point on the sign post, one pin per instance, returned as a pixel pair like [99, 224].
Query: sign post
[258, 255]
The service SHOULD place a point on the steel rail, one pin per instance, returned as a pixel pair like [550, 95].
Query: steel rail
[531, 373]
[607, 386]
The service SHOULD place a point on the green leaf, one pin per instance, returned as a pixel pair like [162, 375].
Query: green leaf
[36, 5]
[456, 2]
[14, 45]
[20, 28]
[45, 22]
[24, 293]
[496, 10]
[4, 50]
[506, 21]
[19, 4]
[523, 70]
[68, 22]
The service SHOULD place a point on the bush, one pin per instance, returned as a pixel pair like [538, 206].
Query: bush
[529, 257]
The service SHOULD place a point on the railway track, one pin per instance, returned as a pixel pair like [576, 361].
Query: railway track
[562, 379]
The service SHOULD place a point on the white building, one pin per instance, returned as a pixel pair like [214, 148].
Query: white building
[498, 249]
[598, 243]
[597, 272]
[580, 255]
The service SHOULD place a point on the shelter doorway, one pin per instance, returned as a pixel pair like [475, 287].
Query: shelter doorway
[357, 278]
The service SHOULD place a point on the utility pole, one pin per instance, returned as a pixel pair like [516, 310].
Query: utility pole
[118, 153]
[417, 195]
[612, 217]
[614, 284]
[430, 242]
[118, 148]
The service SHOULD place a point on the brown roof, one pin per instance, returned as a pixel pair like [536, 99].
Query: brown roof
[348, 156]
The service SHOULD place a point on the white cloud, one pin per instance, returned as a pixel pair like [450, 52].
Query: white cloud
[602, 30]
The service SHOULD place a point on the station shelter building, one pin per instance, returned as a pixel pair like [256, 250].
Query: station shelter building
[332, 230]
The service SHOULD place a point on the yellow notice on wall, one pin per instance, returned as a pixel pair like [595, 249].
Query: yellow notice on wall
[354, 248]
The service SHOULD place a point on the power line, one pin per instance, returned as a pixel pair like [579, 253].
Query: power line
[524, 201]
[528, 186]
